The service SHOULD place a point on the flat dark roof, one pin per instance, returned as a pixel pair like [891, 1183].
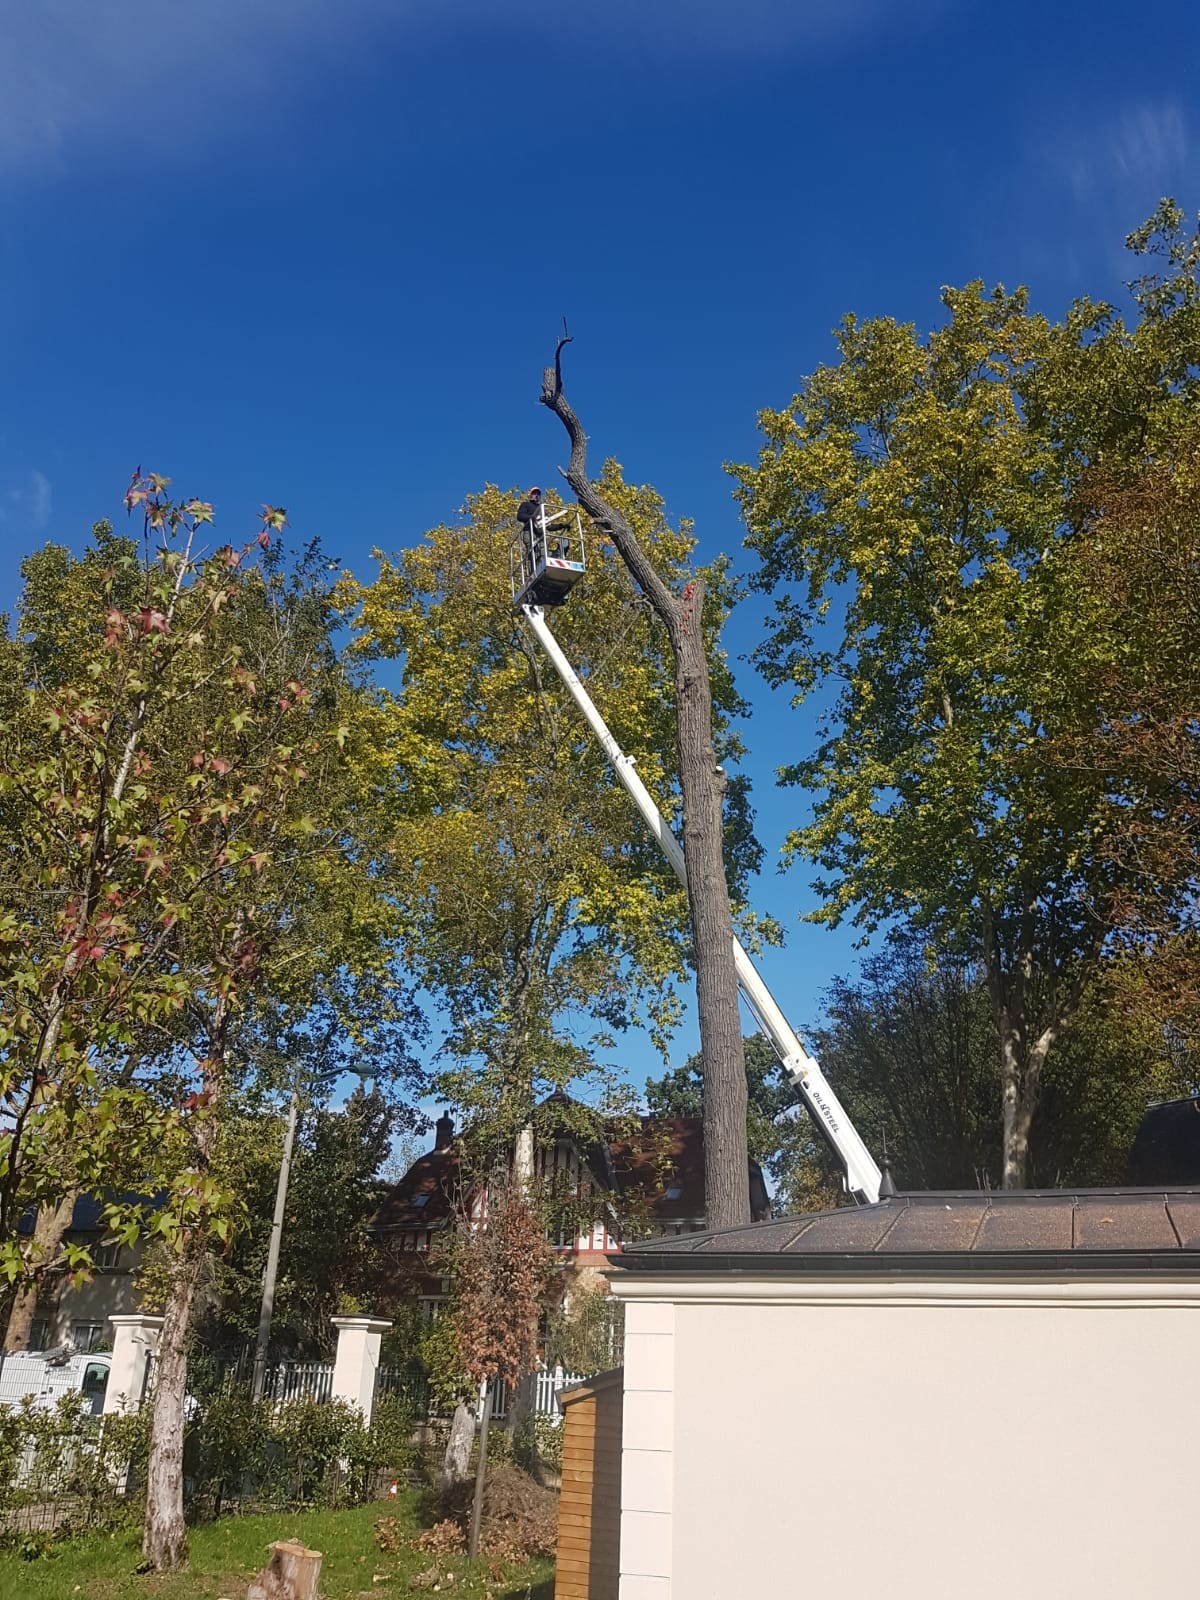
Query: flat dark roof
[1043, 1230]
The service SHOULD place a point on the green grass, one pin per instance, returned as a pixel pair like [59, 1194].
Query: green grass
[226, 1555]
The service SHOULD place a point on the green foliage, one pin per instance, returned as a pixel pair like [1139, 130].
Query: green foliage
[68, 1459]
[327, 1263]
[680, 1093]
[910, 1043]
[235, 1452]
[539, 905]
[301, 1453]
[189, 874]
[912, 508]
[587, 1335]
[441, 1355]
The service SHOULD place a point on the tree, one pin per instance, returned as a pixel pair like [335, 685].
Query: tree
[911, 1044]
[500, 1272]
[327, 1261]
[920, 495]
[299, 920]
[539, 908]
[703, 783]
[1137, 558]
[770, 1100]
[91, 964]
[185, 847]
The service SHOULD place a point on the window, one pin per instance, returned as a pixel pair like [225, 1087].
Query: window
[420, 1200]
[675, 1192]
[563, 1235]
[87, 1336]
[39, 1332]
[95, 1381]
[107, 1255]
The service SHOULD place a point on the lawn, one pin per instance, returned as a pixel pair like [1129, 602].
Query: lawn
[225, 1555]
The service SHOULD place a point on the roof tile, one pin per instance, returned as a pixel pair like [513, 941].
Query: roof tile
[935, 1227]
[1123, 1222]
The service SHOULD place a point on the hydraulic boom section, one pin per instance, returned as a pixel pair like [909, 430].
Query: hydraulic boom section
[862, 1175]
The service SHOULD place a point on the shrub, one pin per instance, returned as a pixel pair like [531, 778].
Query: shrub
[63, 1470]
[305, 1452]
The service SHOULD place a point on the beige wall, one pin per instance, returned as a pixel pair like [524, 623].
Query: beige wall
[109, 1294]
[937, 1441]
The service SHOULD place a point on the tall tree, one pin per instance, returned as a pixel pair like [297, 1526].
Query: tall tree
[919, 496]
[91, 968]
[327, 1260]
[540, 907]
[1137, 561]
[298, 918]
[183, 840]
[911, 1043]
[681, 610]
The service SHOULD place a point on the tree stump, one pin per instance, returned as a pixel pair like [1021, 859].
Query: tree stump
[292, 1573]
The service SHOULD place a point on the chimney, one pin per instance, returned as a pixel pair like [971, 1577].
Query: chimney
[444, 1132]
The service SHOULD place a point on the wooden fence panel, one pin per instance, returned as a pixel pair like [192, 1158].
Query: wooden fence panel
[589, 1507]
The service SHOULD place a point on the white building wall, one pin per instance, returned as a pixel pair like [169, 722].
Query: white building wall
[647, 1451]
[920, 1441]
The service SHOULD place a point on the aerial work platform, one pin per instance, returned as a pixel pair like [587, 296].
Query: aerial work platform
[547, 561]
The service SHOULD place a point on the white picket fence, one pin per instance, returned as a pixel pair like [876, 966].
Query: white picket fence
[298, 1380]
[544, 1403]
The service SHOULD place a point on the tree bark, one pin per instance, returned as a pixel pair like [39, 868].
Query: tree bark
[293, 1573]
[164, 1535]
[1022, 1059]
[164, 1531]
[480, 1474]
[49, 1231]
[726, 1179]
[457, 1458]
[266, 1308]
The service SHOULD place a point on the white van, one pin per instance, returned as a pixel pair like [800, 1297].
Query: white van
[47, 1375]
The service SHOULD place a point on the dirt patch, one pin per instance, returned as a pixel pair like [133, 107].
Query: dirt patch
[520, 1518]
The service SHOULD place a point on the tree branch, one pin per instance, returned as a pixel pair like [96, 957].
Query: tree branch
[606, 517]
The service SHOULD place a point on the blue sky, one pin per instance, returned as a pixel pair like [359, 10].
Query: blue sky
[315, 252]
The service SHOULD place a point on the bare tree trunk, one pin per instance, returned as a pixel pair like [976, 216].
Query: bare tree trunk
[164, 1531]
[164, 1535]
[523, 1159]
[480, 1473]
[457, 1458]
[726, 1180]
[1022, 1059]
[49, 1231]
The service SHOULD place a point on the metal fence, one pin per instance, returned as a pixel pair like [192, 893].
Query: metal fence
[298, 1380]
[409, 1384]
[546, 1387]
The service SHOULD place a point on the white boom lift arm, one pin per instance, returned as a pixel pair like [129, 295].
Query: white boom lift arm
[862, 1175]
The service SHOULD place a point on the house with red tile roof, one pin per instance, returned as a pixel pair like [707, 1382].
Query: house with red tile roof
[645, 1180]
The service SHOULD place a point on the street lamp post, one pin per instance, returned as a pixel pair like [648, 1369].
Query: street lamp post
[271, 1270]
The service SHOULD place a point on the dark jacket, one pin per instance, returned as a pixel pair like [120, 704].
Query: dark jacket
[529, 512]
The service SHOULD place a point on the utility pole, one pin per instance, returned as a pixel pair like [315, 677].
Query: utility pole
[270, 1272]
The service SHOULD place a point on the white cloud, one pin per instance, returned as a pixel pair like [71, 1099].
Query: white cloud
[27, 506]
[1131, 156]
[40, 499]
[155, 75]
